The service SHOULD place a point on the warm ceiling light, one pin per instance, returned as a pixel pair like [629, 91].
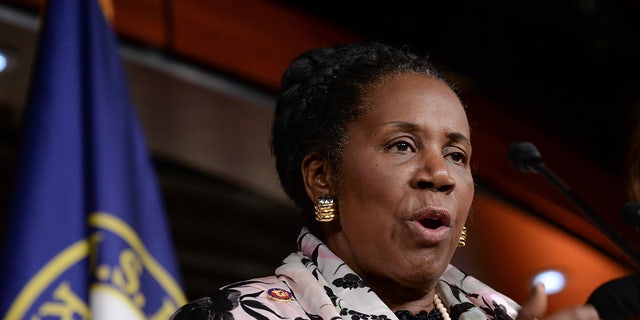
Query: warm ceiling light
[553, 280]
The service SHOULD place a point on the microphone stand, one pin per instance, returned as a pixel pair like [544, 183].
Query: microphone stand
[584, 209]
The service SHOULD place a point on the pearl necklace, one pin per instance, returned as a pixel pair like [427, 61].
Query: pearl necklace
[441, 308]
[439, 312]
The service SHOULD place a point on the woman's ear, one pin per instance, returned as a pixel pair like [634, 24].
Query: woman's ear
[316, 171]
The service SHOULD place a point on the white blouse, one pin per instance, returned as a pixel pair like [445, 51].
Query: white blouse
[313, 283]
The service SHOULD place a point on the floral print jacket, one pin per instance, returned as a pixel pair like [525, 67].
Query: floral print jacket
[313, 283]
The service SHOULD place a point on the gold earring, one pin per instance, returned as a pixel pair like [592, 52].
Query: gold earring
[463, 238]
[325, 209]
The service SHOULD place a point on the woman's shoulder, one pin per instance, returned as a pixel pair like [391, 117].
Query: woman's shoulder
[263, 298]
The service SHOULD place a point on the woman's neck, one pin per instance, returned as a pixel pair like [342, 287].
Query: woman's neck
[414, 306]
[398, 297]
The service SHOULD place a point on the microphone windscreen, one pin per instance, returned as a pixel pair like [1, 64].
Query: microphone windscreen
[524, 156]
[631, 214]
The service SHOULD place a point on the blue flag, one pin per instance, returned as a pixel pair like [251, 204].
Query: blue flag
[87, 235]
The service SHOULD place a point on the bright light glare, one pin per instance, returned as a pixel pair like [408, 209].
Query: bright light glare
[3, 61]
[553, 281]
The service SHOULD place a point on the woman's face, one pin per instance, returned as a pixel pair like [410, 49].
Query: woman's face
[406, 186]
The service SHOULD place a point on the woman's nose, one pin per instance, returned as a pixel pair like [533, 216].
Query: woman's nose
[433, 174]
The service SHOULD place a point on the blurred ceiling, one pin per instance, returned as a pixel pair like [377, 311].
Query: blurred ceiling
[559, 74]
[569, 67]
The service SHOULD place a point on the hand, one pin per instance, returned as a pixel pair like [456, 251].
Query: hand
[536, 307]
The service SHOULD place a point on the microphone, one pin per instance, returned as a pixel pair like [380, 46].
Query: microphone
[525, 157]
[631, 214]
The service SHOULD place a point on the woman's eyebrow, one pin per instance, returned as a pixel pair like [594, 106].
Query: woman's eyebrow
[403, 124]
[409, 126]
[457, 136]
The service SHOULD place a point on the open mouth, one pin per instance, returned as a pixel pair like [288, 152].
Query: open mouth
[431, 223]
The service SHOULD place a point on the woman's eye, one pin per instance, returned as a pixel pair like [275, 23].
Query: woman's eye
[458, 157]
[401, 146]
